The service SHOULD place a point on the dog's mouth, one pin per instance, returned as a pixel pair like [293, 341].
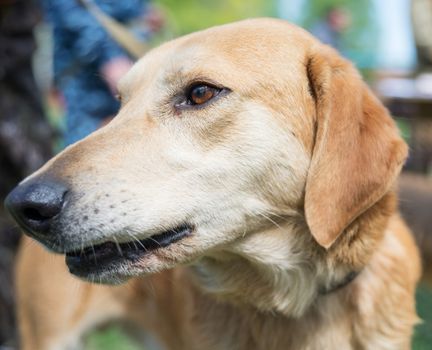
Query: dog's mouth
[110, 255]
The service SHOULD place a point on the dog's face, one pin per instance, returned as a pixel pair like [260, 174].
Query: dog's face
[219, 134]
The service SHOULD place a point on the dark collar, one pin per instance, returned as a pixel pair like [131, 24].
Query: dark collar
[324, 290]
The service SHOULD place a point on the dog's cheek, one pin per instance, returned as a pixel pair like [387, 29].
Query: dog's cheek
[271, 158]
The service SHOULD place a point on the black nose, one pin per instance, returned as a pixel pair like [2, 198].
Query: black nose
[35, 204]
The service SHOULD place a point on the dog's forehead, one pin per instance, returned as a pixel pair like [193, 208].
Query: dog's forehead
[222, 53]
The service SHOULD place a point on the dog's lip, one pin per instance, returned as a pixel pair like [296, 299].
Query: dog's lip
[109, 254]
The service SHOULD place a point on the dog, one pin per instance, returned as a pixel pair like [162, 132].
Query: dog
[242, 198]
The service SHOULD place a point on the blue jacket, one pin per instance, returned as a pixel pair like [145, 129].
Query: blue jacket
[81, 47]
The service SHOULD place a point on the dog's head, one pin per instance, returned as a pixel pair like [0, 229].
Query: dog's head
[221, 133]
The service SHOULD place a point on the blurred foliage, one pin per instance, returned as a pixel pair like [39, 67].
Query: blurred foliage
[186, 16]
[423, 334]
[405, 128]
[359, 40]
[111, 338]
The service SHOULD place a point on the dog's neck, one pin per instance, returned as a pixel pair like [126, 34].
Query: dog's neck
[271, 270]
[283, 270]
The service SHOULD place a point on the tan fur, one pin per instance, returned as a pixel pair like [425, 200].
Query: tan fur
[288, 181]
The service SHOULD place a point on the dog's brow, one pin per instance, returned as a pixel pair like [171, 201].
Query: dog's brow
[181, 79]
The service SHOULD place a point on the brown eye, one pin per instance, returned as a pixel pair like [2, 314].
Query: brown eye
[200, 94]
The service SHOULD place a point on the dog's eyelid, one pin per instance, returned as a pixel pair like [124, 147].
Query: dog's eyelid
[198, 82]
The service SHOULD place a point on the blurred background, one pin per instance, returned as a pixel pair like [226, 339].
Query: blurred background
[55, 52]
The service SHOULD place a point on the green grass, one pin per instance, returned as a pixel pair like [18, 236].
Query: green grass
[112, 338]
[423, 334]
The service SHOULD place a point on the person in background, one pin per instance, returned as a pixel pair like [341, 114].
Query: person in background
[330, 29]
[25, 135]
[88, 63]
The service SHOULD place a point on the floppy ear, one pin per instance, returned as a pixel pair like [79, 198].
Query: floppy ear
[358, 151]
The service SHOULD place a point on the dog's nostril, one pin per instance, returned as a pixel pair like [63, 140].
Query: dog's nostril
[34, 214]
[35, 204]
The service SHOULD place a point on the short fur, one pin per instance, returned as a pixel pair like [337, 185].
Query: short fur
[287, 179]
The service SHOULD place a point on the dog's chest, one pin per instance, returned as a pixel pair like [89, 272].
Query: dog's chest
[219, 326]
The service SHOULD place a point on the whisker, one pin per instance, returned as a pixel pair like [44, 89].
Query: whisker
[94, 253]
[137, 240]
[272, 221]
[118, 246]
[154, 241]
[82, 245]
[288, 218]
